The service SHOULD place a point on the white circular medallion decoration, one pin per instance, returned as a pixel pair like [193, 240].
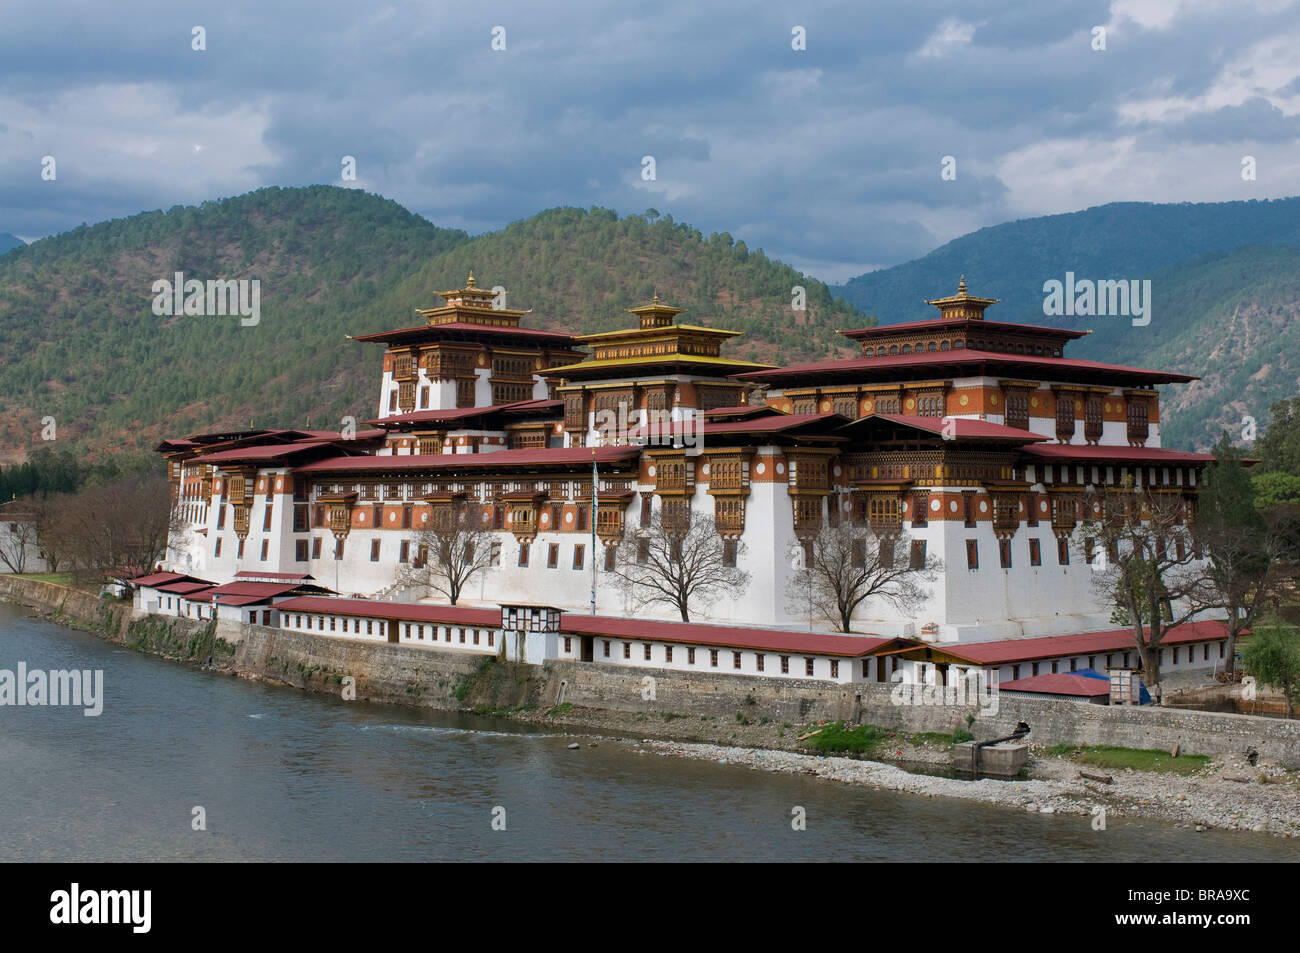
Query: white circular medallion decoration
[780, 468]
[935, 505]
[1021, 507]
[758, 468]
[361, 517]
[984, 506]
[546, 518]
[392, 517]
[952, 506]
[705, 469]
[836, 470]
[424, 517]
[847, 506]
[1042, 507]
[651, 470]
[568, 517]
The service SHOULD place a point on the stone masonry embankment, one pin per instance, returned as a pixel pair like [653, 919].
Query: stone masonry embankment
[434, 678]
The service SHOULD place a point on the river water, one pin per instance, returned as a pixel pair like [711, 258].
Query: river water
[286, 776]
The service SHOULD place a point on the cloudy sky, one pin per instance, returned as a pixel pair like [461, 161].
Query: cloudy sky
[829, 157]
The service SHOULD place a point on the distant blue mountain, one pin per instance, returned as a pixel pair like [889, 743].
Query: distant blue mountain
[1122, 240]
[8, 242]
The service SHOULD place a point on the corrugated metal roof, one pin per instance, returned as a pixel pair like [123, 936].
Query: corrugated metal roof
[557, 456]
[1075, 451]
[1059, 684]
[961, 356]
[1084, 643]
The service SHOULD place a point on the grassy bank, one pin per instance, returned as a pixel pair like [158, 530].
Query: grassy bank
[1139, 759]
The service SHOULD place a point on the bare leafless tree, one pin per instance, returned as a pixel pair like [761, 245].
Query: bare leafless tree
[1145, 564]
[119, 526]
[680, 561]
[449, 552]
[18, 536]
[847, 565]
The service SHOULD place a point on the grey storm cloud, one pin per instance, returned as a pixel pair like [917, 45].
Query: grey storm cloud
[828, 158]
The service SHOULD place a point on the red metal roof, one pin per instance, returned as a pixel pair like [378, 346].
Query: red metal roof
[155, 579]
[1084, 643]
[1075, 451]
[498, 330]
[277, 576]
[184, 588]
[261, 453]
[961, 356]
[725, 636]
[556, 456]
[685, 633]
[261, 590]
[406, 611]
[1062, 683]
[775, 423]
[241, 600]
[882, 330]
[457, 413]
[962, 427]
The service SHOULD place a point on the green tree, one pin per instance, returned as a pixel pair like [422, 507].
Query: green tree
[1273, 657]
[1243, 545]
[1278, 447]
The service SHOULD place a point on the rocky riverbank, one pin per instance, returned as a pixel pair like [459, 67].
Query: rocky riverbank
[1229, 794]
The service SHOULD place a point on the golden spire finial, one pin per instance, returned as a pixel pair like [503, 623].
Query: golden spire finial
[961, 286]
[469, 282]
[656, 297]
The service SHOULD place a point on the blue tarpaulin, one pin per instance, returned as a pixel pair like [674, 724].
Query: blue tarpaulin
[1144, 697]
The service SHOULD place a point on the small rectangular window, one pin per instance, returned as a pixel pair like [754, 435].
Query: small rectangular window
[918, 554]
[523, 554]
[758, 661]
[972, 554]
[785, 665]
[647, 651]
[808, 667]
[668, 653]
[735, 660]
[579, 551]
[1035, 553]
[713, 658]
[553, 556]
[374, 550]
[611, 557]
[1004, 553]
[627, 650]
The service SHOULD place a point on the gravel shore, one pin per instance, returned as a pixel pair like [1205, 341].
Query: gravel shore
[1269, 801]
[1228, 795]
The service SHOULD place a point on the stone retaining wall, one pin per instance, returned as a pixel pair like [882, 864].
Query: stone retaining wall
[426, 677]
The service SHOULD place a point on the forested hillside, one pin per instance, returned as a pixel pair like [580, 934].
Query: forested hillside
[1224, 287]
[1122, 240]
[79, 341]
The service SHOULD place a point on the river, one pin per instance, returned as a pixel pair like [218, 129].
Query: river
[286, 776]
